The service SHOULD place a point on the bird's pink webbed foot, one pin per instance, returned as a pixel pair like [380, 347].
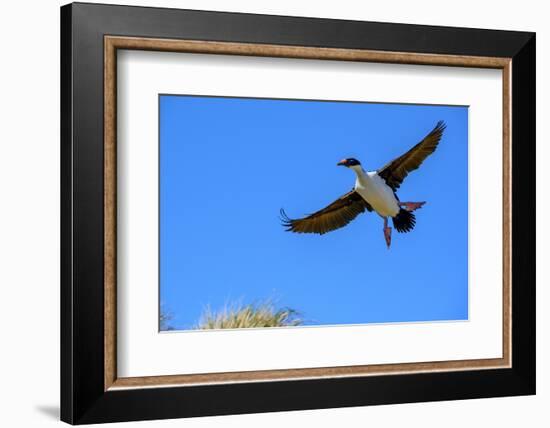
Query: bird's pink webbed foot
[387, 236]
[411, 206]
[387, 232]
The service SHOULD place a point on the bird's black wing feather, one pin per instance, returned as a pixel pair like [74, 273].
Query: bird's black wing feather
[334, 216]
[395, 171]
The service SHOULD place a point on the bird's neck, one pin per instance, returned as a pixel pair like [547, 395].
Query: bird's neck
[358, 171]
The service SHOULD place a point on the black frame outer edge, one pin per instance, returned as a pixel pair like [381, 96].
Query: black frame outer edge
[524, 217]
[66, 369]
[82, 397]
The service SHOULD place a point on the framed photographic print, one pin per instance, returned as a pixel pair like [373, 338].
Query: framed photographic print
[265, 213]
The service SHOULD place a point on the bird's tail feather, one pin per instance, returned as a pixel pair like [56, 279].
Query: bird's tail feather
[404, 221]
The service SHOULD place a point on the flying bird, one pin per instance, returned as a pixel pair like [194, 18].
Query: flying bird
[373, 191]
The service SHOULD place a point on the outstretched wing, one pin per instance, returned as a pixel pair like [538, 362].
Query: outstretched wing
[334, 216]
[395, 171]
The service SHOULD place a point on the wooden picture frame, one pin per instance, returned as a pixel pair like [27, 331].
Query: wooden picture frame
[91, 390]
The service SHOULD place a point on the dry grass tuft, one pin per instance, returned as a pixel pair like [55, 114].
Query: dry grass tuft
[255, 315]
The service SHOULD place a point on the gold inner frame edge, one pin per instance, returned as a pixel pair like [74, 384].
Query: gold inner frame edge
[113, 43]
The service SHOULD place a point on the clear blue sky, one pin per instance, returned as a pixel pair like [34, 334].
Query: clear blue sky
[227, 165]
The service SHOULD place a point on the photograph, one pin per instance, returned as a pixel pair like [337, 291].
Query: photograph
[302, 213]
[283, 210]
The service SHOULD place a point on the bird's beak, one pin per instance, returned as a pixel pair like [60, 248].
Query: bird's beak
[343, 162]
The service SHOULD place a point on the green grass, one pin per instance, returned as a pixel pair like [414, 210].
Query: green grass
[255, 315]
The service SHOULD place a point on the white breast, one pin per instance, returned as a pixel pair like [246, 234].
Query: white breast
[377, 193]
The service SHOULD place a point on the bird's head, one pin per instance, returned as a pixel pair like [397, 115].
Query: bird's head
[349, 163]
